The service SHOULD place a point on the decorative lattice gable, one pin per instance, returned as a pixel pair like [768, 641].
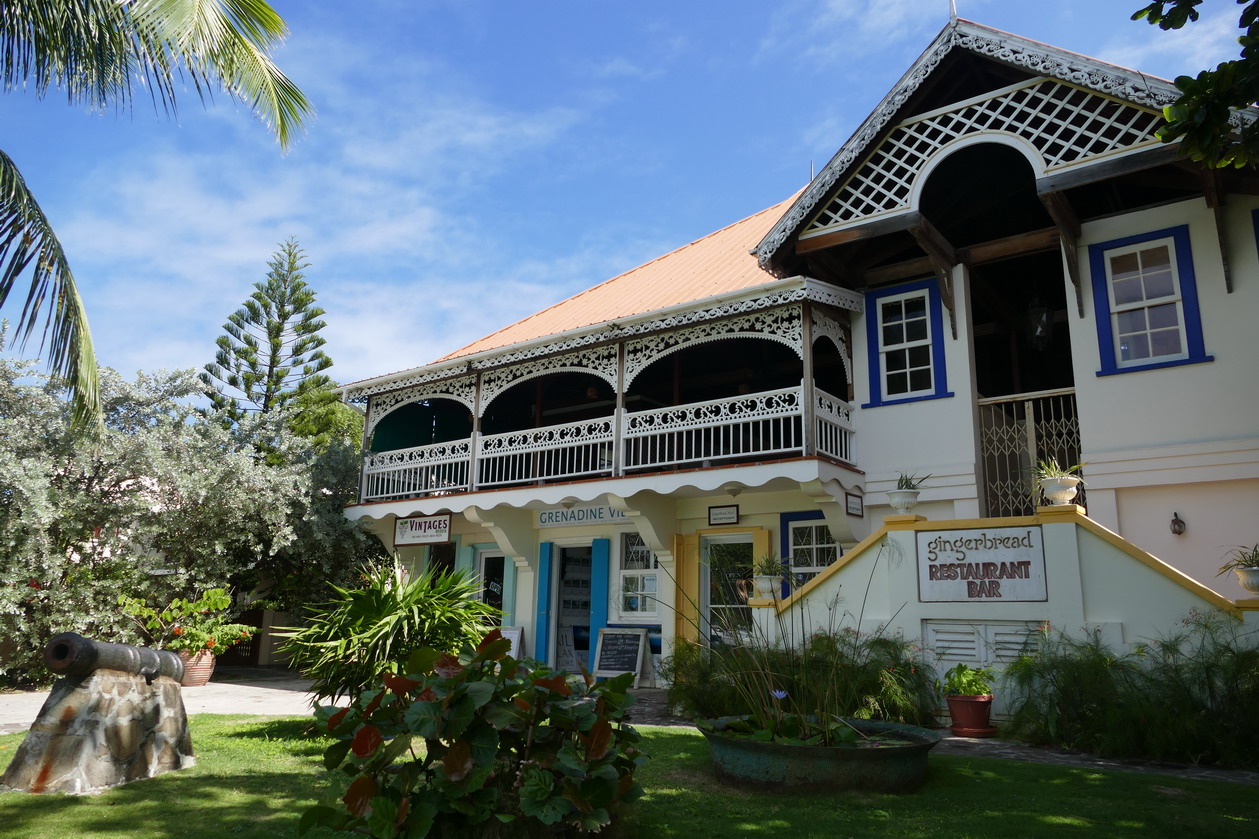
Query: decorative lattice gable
[1065, 124]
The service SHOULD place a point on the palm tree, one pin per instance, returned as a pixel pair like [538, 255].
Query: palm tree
[94, 51]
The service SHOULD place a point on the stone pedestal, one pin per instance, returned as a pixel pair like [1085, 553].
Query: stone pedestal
[100, 730]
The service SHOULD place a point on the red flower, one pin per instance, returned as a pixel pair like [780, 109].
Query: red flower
[209, 643]
[178, 630]
[33, 583]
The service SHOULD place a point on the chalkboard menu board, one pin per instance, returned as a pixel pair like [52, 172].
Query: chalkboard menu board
[620, 651]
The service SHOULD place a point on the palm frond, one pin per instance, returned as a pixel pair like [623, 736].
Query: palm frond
[27, 241]
[96, 50]
[227, 41]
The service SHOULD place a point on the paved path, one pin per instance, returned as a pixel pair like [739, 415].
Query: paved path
[250, 690]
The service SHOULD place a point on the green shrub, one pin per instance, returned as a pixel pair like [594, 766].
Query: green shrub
[1186, 697]
[350, 641]
[835, 673]
[482, 745]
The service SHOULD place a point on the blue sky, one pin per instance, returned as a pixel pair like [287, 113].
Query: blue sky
[473, 161]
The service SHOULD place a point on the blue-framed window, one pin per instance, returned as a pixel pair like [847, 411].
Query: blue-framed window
[905, 342]
[807, 545]
[1145, 296]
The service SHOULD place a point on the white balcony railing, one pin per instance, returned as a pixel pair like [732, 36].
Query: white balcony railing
[575, 450]
[740, 428]
[765, 423]
[832, 419]
[424, 470]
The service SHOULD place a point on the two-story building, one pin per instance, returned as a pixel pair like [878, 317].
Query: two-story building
[1002, 265]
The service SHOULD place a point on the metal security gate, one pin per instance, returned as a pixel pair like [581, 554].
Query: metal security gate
[1014, 433]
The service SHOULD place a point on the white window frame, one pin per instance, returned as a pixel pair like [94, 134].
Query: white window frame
[885, 349]
[648, 601]
[803, 573]
[1118, 309]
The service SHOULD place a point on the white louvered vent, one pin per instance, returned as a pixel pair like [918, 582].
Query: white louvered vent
[993, 642]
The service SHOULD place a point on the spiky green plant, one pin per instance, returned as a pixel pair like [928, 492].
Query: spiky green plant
[362, 634]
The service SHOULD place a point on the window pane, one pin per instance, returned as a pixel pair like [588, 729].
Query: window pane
[920, 356]
[916, 330]
[1134, 347]
[649, 584]
[1124, 266]
[826, 555]
[1165, 342]
[916, 307]
[800, 536]
[920, 380]
[1156, 259]
[1128, 291]
[1129, 322]
[897, 360]
[893, 334]
[897, 383]
[1159, 284]
[1163, 317]
[892, 312]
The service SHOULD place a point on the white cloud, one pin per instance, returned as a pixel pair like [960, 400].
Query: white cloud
[1196, 47]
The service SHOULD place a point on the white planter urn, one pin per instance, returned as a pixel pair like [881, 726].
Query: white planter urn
[902, 500]
[1059, 490]
[1248, 578]
[766, 585]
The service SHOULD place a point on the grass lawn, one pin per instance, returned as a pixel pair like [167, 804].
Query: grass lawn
[255, 776]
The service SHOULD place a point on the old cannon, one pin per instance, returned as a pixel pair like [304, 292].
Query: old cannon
[116, 715]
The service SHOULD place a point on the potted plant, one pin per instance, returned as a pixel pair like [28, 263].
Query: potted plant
[968, 692]
[767, 572]
[1058, 484]
[905, 497]
[197, 630]
[1243, 561]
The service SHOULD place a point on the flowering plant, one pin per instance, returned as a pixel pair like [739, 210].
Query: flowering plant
[190, 626]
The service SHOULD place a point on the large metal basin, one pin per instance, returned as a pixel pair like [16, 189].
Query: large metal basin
[742, 761]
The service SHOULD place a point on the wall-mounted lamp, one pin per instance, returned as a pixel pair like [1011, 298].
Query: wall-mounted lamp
[732, 489]
[1178, 525]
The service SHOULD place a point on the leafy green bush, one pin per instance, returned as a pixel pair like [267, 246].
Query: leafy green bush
[481, 745]
[348, 642]
[1188, 697]
[835, 673]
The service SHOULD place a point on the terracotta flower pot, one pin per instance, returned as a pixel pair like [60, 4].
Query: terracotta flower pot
[971, 715]
[197, 668]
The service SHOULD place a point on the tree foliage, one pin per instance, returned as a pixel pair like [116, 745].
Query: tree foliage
[97, 52]
[1200, 118]
[161, 488]
[272, 351]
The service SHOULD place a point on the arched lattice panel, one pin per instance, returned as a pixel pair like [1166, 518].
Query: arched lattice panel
[460, 390]
[1067, 125]
[782, 325]
[828, 327]
[597, 361]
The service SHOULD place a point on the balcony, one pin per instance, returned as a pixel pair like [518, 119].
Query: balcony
[757, 426]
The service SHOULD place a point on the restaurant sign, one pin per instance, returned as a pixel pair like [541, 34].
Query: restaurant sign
[1002, 564]
[422, 530]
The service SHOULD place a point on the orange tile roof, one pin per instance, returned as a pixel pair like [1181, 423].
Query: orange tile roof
[716, 264]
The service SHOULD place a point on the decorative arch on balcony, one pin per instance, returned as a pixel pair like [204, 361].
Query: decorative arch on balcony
[461, 390]
[594, 361]
[782, 325]
[425, 421]
[556, 398]
[731, 366]
[826, 327]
